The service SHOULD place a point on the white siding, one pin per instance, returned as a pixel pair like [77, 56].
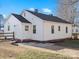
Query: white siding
[57, 34]
[17, 27]
[43, 28]
[39, 25]
[26, 34]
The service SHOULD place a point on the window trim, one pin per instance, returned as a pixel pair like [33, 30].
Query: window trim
[8, 27]
[26, 28]
[66, 29]
[59, 28]
[34, 29]
[52, 29]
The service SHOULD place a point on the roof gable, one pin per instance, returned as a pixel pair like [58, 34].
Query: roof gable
[48, 17]
[21, 18]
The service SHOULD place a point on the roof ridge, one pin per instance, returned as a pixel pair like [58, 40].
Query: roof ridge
[48, 17]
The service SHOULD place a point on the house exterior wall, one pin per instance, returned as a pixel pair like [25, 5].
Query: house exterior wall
[39, 25]
[26, 34]
[12, 21]
[75, 29]
[15, 26]
[43, 28]
[57, 34]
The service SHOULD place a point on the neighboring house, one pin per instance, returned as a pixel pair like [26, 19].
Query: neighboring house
[2, 20]
[75, 29]
[41, 27]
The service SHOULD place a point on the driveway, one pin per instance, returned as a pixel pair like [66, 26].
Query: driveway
[57, 48]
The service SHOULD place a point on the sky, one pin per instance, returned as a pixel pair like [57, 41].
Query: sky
[17, 6]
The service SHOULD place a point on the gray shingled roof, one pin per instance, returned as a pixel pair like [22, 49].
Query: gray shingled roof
[21, 18]
[48, 17]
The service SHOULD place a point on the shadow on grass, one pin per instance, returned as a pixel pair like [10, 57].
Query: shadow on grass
[72, 44]
[50, 46]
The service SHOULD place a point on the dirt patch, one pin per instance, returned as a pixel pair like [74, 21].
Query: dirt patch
[8, 51]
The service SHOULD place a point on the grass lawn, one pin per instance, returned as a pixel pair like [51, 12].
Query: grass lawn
[70, 43]
[36, 54]
[8, 51]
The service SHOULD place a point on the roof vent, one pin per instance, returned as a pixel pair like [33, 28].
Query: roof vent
[36, 10]
[51, 14]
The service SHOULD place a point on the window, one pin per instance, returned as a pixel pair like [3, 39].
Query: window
[52, 29]
[34, 29]
[26, 28]
[72, 30]
[58, 28]
[8, 28]
[76, 30]
[66, 29]
[14, 25]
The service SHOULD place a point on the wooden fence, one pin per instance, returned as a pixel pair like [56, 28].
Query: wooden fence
[5, 36]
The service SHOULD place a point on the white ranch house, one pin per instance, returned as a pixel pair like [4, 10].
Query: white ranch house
[37, 26]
